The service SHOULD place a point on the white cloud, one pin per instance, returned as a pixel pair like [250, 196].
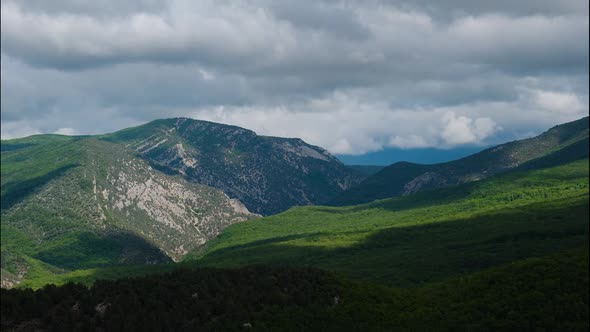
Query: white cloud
[350, 76]
[463, 130]
[17, 129]
[67, 131]
[347, 125]
[558, 102]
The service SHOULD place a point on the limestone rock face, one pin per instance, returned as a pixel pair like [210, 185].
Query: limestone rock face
[266, 174]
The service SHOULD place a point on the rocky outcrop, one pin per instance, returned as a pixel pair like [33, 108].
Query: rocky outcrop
[426, 179]
[267, 174]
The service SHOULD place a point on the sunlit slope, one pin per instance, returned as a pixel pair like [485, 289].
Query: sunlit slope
[423, 237]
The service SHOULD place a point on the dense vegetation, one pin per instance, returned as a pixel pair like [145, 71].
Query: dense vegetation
[547, 294]
[424, 237]
[560, 144]
[405, 241]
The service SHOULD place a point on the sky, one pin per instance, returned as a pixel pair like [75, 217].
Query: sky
[359, 78]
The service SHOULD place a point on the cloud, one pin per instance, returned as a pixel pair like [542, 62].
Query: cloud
[409, 142]
[17, 129]
[558, 102]
[450, 8]
[256, 36]
[464, 130]
[66, 131]
[361, 126]
[350, 76]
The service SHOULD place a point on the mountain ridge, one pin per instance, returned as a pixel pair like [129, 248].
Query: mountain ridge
[267, 174]
[402, 178]
[132, 197]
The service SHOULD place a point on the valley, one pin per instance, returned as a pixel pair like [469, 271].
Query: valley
[115, 214]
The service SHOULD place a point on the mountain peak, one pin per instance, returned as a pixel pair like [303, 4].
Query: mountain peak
[267, 174]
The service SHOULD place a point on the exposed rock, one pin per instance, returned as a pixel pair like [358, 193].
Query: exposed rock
[416, 184]
[101, 308]
[336, 300]
[266, 174]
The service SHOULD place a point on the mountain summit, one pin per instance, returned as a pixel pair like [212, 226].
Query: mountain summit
[267, 174]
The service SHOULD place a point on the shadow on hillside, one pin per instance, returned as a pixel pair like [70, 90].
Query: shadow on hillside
[431, 197]
[91, 256]
[7, 147]
[406, 256]
[279, 239]
[573, 152]
[14, 192]
[89, 250]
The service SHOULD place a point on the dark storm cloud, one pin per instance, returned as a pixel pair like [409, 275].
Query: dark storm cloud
[389, 73]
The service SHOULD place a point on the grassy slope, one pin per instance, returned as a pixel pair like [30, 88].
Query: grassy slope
[22, 175]
[36, 239]
[55, 210]
[404, 241]
[425, 237]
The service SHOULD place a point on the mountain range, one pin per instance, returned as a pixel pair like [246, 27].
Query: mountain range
[166, 226]
[162, 191]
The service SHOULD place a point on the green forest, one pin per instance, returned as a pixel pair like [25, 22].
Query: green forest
[537, 294]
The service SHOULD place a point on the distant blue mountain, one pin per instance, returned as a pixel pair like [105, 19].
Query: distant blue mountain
[421, 156]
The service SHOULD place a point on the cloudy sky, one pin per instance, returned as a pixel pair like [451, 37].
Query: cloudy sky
[352, 76]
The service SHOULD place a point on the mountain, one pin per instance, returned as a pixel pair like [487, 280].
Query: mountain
[518, 239]
[427, 236]
[560, 144]
[148, 194]
[76, 203]
[267, 174]
[390, 155]
[366, 170]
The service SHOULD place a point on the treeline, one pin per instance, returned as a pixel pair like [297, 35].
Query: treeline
[207, 299]
[549, 294]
